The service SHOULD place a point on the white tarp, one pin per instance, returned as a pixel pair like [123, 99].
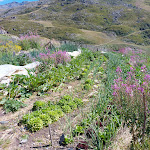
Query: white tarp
[74, 53]
[7, 70]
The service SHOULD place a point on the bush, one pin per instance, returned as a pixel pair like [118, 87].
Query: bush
[10, 47]
[38, 105]
[35, 124]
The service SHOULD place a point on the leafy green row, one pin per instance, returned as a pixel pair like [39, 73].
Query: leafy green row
[46, 113]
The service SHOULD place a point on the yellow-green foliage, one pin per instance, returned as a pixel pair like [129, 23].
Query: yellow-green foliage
[120, 30]
[136, 38]
[35, 124]
[10, 47]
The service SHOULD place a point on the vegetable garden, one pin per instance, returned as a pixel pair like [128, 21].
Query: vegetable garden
[109, 91]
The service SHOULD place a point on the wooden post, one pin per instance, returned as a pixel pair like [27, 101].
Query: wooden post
[50, 134]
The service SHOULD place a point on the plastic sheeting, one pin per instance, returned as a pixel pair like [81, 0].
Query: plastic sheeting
[7, 70]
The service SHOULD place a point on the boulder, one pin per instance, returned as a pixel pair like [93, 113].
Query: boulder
[2, 31]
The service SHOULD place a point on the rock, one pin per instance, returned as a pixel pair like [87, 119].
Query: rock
[4, 122]
[82, 145]
[92, 94]
[22, 141]
[69, 87]
[2, 31]
[62, 140]
[95, 86]
[96, 81]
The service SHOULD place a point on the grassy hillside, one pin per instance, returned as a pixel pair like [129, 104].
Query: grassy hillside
[64, 20]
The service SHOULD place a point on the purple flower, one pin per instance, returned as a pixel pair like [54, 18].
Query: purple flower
[131, 68]
[141, 89]
[128, 89]
[118, 70]
[114, 94]
[116, 87]
[147, 77]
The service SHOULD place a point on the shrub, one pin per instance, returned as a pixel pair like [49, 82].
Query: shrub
[38, 105]
[10, 47]
[35, 124]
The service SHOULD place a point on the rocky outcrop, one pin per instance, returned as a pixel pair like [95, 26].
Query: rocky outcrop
[2, 31]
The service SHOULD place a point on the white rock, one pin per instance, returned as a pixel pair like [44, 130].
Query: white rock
[92, 94]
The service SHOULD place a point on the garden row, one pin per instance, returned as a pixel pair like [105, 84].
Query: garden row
[47, 113]
[122, 99]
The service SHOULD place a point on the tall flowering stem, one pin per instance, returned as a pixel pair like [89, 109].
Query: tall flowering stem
[58, 57]
[132, 94]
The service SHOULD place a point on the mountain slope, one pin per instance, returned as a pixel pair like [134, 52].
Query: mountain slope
[64, 19]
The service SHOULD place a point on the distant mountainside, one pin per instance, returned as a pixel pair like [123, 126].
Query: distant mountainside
[80, 20]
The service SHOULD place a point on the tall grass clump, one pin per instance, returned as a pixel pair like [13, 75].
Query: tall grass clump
[30, 41]
[131, 95]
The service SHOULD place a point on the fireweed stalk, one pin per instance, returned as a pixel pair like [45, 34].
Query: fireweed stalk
[132, 98]
[30, 40]
[59, 57]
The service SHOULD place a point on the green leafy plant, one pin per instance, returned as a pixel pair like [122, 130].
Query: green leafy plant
[38, 105]
[35, 124]
[78, 130]
[46, 119]
[87, 87]
[78, 101]
[66, 108]
[12, 105]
